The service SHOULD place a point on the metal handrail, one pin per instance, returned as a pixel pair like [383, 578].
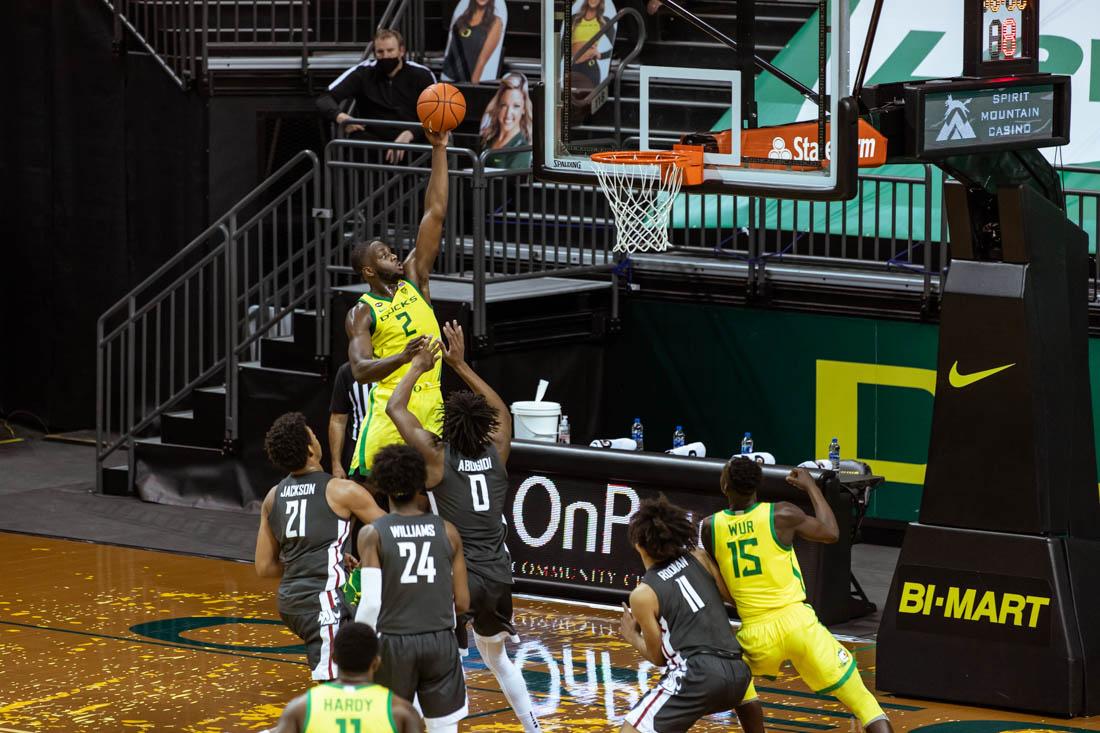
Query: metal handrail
[197, 308]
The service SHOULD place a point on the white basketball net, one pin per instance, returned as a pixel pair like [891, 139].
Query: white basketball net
[641, 199]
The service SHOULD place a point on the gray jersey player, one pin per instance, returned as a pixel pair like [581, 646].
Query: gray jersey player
[305, 523]
[414, 584]
[468, 485]
[676, 620]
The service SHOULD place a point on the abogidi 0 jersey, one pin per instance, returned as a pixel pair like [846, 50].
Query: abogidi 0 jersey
[333, 706]
[395, 321]
[693, 615]
[311, 538]
[471, 496]
[761, 573]
[417, 587]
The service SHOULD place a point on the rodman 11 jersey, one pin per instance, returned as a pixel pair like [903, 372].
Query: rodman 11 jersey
[692, 614]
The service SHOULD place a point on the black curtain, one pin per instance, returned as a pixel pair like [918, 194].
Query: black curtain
[102, 161]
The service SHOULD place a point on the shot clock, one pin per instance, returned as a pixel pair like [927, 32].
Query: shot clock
[1001, 38]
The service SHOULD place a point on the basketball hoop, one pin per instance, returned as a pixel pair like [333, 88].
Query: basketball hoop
[641, 186]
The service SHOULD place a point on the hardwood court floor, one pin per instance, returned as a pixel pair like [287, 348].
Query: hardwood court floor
[103, 638]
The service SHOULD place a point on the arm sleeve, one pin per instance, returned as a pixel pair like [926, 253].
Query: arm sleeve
[370, 602]
[341, 387]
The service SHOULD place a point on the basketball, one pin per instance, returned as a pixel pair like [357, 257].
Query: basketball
[441, 107]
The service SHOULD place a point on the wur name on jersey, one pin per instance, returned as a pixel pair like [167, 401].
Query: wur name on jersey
[674, 568]
[481, 464]
[298, 490]
[412, 531]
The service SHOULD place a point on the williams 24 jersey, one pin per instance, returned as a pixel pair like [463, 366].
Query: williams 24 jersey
[472, 496]
[761, 573]
[692, 613]
[417, 585]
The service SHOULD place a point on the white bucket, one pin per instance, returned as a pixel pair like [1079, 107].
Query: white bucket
[536, 420]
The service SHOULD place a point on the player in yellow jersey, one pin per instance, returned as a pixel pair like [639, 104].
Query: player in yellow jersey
[353, 703]
[394, 319]
[752, 545]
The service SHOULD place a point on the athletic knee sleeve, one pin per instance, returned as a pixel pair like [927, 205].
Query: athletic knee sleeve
[510, 678]
[856, 697]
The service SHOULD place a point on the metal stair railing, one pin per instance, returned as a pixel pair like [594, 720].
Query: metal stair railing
[180, 34]
[192, 322]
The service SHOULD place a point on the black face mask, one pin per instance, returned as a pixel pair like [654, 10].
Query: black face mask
[388, 66]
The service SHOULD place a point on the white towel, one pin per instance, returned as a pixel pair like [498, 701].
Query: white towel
[695, 450]
[616, 444]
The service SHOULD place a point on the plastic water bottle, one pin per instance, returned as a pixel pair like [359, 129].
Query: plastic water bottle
[637, 432]
[563, 430]
[746, 444]
[678, 438]
[834, 454]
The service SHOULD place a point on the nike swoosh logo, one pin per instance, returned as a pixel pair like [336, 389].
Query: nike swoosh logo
[959, 381]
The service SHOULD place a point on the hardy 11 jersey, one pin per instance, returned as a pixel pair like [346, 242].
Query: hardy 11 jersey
[471, 496]
[761, 573]
[693, 616]
[334, 706]
[311, 540]
[417, 588]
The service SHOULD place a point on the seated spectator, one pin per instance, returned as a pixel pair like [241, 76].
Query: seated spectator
[385, 87]
[507, 123]
[473, 47]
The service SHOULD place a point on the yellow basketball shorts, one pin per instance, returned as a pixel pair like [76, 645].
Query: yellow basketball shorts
[794, 633]
[378, 431]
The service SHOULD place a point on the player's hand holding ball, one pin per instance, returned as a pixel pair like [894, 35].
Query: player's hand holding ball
[454, 352]
[441, 108]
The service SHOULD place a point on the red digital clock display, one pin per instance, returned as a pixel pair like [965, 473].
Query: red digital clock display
[1003, 21]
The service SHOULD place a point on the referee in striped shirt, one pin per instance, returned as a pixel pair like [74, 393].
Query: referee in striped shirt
[346, 414]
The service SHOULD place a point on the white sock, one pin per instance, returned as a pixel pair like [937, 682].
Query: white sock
[441, 727]
[511, 681]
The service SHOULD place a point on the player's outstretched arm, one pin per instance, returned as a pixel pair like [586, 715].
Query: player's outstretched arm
[405, 716]
[293, 718]
[364, 367]
[639, 625]
[791, 521]
[412, 432]
[370, 577]
[454, 353]
[347, 496]
[458, 570]
[267, 560]
[418, 265]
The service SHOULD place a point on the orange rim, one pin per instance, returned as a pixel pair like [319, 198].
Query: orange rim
[640, 157]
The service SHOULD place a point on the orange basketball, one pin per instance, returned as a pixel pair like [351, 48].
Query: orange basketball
[441, 108]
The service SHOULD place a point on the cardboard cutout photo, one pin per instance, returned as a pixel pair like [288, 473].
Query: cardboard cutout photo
[507, 123]
[592, 66]
[475, 41]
